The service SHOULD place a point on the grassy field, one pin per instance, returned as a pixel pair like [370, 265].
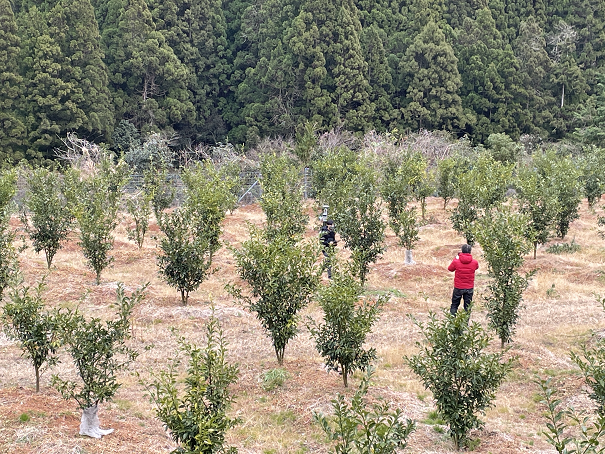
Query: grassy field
[560, 312]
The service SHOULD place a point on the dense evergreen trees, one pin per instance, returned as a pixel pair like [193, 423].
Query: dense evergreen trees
[210, 70]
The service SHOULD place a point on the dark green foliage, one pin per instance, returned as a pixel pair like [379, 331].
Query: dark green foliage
[347, 320]
[73, 25]
[12, 129]
[196, 413]
[27, 321]
[125, 138]
[590, 360]
[98, 350]
[95, 200]
[148, 80]
[463, 378]
[432, 79]
[186, 248]
[47, 218]
[196, 32]
[281, 276]
[357, 429]
[559, 422]
[501, 233]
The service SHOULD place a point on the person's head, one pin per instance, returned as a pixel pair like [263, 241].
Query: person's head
[466, 249]
[330, 224]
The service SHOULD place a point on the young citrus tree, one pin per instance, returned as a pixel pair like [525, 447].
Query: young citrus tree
[26, 320]
[47, 218]
[359, 223]
[463, 378]
[209, 194]
[358, 428]
[99, 352]
[347, 320]
[481, 187]
[590, 360]
[9, 265]
[282, 198]
[563, 175]
[538, 201]
[95, 201]
[186, 249]
[501, 233]
[138, 206]
[195, 409]
[281, 278]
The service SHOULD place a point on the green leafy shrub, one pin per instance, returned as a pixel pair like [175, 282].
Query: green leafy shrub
[138, 207]
[590, 360]
[47, 218]
[274, 378]
[27, 321]
[95, 201]
[282, 276]
[346, 323]
[501, 233]
[98, 350]
[564, 248]
[196, 413]
[463, 378]
[358, 428]
[560, 422]
[186, 251]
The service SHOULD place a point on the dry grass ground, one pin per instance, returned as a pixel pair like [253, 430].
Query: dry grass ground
[280, 421]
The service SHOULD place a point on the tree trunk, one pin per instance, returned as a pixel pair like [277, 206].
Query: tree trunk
[89, 424]
[184, 297]
[37, 378]
[345, 375]
[535, 250]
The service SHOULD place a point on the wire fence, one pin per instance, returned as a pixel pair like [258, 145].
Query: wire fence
[250, 190]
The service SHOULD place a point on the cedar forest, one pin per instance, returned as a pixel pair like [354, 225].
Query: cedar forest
[209, 71]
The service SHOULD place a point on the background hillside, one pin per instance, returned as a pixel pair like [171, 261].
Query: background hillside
[205, 71]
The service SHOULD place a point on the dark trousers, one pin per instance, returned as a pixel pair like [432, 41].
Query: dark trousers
[459, 293]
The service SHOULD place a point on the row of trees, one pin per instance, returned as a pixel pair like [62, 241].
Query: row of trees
[207, 70]
[280, 268]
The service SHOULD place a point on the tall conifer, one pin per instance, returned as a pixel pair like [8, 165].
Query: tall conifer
[433, 82]
[12, 129]
[149, 81]
[74, 27]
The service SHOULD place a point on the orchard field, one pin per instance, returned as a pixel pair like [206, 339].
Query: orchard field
[560, 312]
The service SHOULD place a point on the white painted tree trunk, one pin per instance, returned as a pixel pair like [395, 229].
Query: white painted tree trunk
[408, 257]
[89, 424]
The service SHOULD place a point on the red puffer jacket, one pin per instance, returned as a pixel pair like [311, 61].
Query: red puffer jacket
[465, 267]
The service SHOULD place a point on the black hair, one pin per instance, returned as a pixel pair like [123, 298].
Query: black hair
[466, 248]
[329, 222]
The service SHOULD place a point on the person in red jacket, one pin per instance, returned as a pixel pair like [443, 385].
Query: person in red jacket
[464, 267]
